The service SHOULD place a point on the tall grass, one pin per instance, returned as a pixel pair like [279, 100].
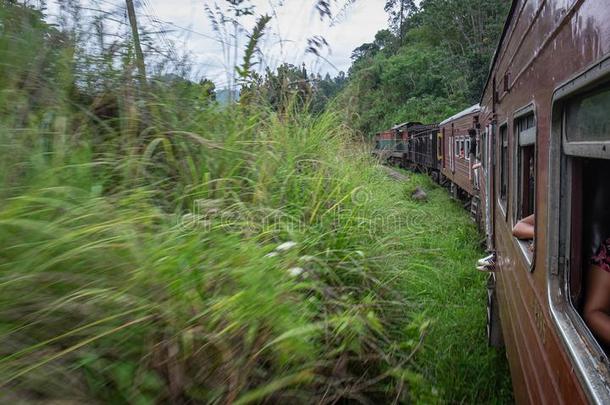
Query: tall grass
[212, 255]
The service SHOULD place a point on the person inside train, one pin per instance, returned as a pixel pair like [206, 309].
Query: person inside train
[524, 229]
[595, 223]
[596, 309]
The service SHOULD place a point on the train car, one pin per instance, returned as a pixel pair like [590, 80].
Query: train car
[459, 134]
[401, 137]
[545, 114]
[391, 146]
[424, 152]
[385, 143]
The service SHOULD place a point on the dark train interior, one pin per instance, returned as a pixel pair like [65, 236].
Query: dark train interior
[590, 219]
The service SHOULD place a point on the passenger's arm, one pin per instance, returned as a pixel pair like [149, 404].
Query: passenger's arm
[524, 229]
[597, 304]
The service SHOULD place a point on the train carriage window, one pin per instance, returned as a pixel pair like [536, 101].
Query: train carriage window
[525, 175]
[587, 118]
[439, 146]
[467, 149]
[579, 217]
[586, 135]
[477, 149]
[503, 155]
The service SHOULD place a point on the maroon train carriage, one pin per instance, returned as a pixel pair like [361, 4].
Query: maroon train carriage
[460, 136]
[541, 137]
[545, 114]
[424, 149]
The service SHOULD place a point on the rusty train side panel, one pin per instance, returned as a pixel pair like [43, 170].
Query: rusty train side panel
[544, 44]
[507, 157]
[457, 140]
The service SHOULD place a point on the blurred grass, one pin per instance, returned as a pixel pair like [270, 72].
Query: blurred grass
[144, 260]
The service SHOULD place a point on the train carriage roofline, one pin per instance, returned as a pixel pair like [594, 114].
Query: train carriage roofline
[509, 19]
[470, 110]
[408, 124]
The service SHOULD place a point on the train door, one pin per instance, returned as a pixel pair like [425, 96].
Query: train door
[488, 173]
[443, 139]
[454, 146]
[450, 154]
[439, 149]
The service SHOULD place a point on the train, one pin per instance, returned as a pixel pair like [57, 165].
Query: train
[536, 145]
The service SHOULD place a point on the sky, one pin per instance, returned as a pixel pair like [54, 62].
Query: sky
[285, 40]
[286, 37]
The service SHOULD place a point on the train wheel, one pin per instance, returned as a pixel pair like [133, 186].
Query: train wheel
[494, 328]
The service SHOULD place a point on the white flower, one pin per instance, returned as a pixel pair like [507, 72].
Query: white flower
[285, 246]
[296, 271]
[272, 254]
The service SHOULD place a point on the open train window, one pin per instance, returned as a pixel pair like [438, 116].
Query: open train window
[439, 145]
[467, 148]
[525, 173]
[477, 147]
[579, 216]
[526, 165]
[504, 175]
[463, 148]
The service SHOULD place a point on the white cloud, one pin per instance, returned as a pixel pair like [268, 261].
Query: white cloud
[285, 39]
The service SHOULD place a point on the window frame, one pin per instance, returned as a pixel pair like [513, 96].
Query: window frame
[467, 148]
[462, 149]
[517, 186]
[588, 149]
[439, 146]
[588, 359]
[503, 204]
[477, 147]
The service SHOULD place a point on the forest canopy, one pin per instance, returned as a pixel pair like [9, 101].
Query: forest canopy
[431, 62]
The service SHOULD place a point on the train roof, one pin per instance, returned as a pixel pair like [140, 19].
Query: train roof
[406, 124]
[507, 22]
[473, 109]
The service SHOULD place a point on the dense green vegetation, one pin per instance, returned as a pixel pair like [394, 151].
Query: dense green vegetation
[432, 63]
[157, 248]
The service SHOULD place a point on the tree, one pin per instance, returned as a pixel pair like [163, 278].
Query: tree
[432, 63]
[364, 51]
[136, 43]
[384, 39]
[399, 11]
